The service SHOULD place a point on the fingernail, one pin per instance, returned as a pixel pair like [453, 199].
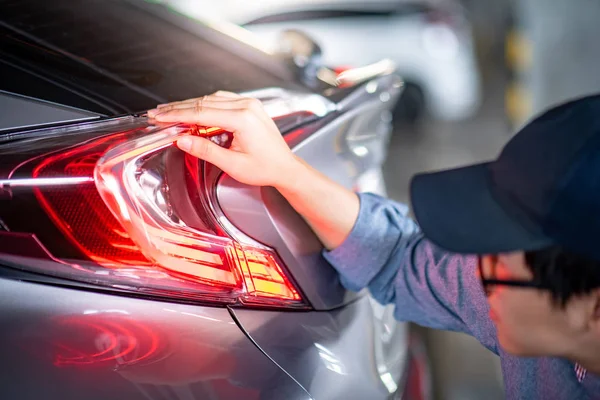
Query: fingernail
[185, 143]
[152, 113]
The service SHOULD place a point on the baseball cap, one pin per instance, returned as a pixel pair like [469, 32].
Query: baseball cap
[543, 190]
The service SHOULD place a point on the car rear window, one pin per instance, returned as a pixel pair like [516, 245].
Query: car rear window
[122, 56]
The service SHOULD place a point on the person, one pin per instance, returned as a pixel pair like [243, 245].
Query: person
[506, 251]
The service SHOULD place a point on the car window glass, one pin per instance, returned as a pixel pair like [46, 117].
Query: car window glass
[120, 54]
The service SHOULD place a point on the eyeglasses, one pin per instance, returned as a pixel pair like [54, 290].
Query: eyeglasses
[489, 279]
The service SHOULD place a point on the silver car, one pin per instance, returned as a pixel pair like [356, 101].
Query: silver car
[129, 270]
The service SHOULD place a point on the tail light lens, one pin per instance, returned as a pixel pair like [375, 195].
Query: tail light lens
[144, 218]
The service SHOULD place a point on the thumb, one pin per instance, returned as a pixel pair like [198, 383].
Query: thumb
[205, 150]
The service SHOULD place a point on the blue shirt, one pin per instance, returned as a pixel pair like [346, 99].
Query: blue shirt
[387, 253]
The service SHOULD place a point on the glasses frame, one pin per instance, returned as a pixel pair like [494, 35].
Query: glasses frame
[488, 283]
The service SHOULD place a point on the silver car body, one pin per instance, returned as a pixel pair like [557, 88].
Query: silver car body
[62, 339]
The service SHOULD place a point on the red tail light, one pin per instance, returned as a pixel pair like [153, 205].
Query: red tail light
[143, 213]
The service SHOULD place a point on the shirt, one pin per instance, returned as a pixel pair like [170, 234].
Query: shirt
[387, 253]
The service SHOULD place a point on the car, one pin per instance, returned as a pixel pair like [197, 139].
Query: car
[131, 270]
[430, 41]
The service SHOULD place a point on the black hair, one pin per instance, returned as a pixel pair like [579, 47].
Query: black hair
[564, 273]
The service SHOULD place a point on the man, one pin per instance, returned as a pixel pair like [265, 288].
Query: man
[527, 226]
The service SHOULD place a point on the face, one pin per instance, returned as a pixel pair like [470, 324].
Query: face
[527, 321]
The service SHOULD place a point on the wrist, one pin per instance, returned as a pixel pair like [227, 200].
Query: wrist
[292, 175]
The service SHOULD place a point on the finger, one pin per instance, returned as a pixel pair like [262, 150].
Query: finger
[173, 103]
[228, 119]
[226, 94]
[220, 95]
[194, 100]
[186, 101]
[199, 105]
[208, 151]
[212, 100]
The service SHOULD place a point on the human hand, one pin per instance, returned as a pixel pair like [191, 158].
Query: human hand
[258, 154]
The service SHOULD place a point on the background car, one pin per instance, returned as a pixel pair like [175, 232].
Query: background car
[430, 41]
[130, 270]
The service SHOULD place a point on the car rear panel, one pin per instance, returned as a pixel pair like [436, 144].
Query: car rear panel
[59, 343]
[348, 348]
[331, 354]
[345, 145]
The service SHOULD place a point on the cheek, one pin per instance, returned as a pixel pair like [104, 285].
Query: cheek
[524, 322]
[513, 309]
[517, 316]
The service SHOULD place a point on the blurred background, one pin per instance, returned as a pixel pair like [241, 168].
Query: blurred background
[474, 72]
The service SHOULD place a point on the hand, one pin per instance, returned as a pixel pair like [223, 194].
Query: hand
[258, 154]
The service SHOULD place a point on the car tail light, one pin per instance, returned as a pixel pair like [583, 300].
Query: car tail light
[143, 217]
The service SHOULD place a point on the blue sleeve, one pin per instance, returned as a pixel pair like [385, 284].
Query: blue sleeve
[387, 253]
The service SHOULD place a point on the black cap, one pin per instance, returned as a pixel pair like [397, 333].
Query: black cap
[543, 190]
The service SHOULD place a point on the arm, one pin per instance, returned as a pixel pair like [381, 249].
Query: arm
[330, 209]
[386, 253]
[375, 244]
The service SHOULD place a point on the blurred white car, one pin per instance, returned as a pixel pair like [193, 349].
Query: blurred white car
[430, 42]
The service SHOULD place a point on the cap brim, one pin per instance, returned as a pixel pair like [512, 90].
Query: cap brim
[457, 211]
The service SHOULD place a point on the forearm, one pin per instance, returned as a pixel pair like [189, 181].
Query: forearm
[387, 253]
[329, 208]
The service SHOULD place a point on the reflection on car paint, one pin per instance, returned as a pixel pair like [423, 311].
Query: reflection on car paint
[146, 354]
[116, 340]
[331, 362]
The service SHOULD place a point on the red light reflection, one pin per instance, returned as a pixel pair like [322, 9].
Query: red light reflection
[143, 353]
[96, 340]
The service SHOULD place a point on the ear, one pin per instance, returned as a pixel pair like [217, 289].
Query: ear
[583, 313]
[594, 311]
[596, 315]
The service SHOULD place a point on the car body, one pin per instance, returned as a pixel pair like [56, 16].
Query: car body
[129, 270]
[430, 42]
